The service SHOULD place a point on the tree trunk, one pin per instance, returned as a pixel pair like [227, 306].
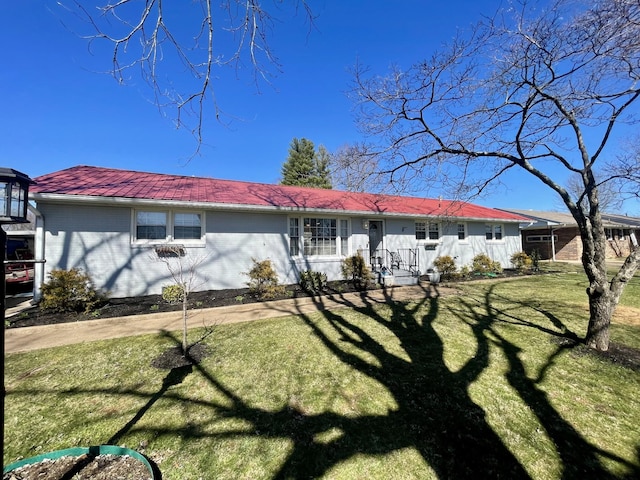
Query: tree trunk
[601, 308]
[604, 296]
[184, 321]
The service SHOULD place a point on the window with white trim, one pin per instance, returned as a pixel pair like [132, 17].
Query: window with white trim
[427, 231]
[151, 225]
[344, 237]
[434, 231]
[166, 226]
[493, 232]
[187, 226]
[294, 237]
[320, 236]
[541, 238]
[462, 231]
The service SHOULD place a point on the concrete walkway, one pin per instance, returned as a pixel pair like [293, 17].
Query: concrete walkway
[33, 338]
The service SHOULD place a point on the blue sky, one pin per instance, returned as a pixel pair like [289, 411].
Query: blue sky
[60, 111]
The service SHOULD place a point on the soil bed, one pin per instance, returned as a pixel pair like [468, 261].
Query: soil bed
[126, 306]
[85, 467]
[123, 307]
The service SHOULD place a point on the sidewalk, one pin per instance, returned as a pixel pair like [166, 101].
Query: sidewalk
[46, 336]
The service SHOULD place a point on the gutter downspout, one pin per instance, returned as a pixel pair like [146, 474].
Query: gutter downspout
[553, 245]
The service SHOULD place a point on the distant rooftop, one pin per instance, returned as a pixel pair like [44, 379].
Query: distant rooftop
[544, 218]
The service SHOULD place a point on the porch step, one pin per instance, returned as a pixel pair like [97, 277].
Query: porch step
[402, 277]
[406, 280]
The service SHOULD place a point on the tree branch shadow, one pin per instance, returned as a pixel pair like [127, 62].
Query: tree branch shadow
[579, 458]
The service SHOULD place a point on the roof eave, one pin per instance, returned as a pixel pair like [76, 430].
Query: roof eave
[126, 201]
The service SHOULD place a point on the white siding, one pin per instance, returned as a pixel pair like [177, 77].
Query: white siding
[234, 239]
[98, 240]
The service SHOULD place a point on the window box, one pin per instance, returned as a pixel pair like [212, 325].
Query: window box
[169, 251]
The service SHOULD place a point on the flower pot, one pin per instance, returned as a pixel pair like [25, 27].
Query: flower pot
[434, 276]
[93, 451]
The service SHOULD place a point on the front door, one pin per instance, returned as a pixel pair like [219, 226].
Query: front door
[375, 241]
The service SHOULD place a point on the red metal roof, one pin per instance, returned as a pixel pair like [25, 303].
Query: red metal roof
[88, 181]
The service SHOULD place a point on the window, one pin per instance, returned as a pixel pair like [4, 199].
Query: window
[462, 231]
[344, 237]
[493, 232]
[319, 236]
[294, 237]
[541, 238]
[187, 226]
[167, 226]
[615, 233]
[426, 231]
[434, 231]
[151, 225]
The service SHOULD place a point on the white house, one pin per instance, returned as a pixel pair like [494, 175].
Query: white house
[116, 225]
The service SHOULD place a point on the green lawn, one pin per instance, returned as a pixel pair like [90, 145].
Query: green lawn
[484, 384]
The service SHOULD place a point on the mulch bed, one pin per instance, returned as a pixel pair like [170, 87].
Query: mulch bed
[85, 467]
[122, 307]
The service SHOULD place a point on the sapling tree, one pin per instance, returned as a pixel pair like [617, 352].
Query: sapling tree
[183, 269]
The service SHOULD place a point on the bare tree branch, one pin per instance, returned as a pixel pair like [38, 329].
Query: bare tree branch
[624, 171]
[213, 35]
[536, 89]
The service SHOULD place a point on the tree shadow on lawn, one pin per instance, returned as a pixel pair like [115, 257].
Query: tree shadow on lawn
[579, 458]
[435, 413]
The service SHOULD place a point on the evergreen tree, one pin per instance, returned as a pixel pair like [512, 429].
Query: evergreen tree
[305, 167]
[322, 165]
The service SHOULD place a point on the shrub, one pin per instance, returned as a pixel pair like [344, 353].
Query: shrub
[445, 265]
[70, 291]
[313, 282]
[535, 260]
[465, 271]
[357, 271]
[173, 293]
[263, 280]
[521, 261]
[483, 265]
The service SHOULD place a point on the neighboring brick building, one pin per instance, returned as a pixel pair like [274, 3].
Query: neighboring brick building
[556, 236]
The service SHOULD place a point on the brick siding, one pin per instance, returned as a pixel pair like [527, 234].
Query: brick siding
[568, 245]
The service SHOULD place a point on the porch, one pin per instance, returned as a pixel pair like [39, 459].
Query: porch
[396, 267]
